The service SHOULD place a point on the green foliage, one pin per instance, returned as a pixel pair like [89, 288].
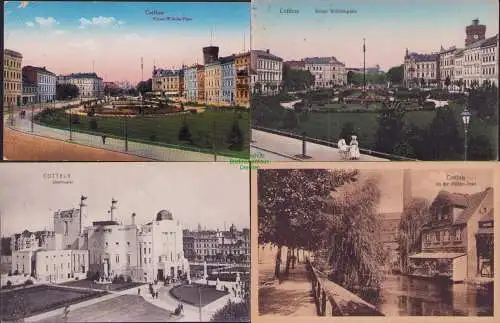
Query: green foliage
[442, 136]
[66, 91]
[145, 86]
[93, 124]
[233, 312]
[297, 80]
[480, 149]
[484, 101]
[390, 130]
[415, 215]
[396, 74]
[235, 137]
[184, 133]
[290, 121]
[371, 78]
[351, 226]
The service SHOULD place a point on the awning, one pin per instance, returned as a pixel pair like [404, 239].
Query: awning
[437, 255]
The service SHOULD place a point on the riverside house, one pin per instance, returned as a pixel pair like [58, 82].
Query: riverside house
[457, 241]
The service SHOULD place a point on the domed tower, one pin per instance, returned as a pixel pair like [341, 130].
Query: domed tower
[474, 32]
[210, 54]
[164, 215]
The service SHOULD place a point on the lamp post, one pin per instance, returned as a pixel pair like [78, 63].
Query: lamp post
[199, 293]
[70, 130]
[466, 115]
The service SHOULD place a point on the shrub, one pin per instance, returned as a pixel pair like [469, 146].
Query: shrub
[121, 279]
[129, 279]
[10, 273]
[16, 272]
[193, 111]
[28, 282]
[93, 124]
[9, 284]
[76, 278]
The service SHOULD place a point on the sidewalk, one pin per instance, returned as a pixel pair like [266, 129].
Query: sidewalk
[155, 152]
[293, 297]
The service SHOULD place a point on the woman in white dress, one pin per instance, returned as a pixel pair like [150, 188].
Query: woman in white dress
[343, 148]
[354, 148]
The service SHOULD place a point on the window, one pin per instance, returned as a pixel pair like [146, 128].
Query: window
[128, 259]
[149, 260]
[149, 250]
[145, 260]
[69, 265]
[47, 268]
[117, 258]
[144, 250]
[458, 234]
[65, 228]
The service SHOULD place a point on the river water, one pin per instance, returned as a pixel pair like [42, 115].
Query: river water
[406, 296]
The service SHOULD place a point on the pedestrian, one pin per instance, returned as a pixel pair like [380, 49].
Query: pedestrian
[139, 291]
[103, 139]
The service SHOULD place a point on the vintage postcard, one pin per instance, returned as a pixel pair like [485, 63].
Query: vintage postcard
[337, 80]
[409, 241]
[126, 81]
[124, 242]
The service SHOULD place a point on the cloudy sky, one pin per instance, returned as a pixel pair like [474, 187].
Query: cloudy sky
[424, 184]
[68, 36]
[212, 194]
[389, 26]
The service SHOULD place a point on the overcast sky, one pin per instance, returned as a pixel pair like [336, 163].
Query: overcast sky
[389, 26]
[212, 194]
[424, 184]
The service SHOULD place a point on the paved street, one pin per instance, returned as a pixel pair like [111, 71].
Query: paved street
[276, 147]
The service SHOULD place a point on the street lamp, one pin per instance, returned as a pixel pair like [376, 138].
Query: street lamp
[465, 120]
[199, 293]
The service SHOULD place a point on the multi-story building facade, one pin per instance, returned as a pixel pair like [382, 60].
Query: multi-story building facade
[228, 80]
[242, 65]
[200, 82]
[327, 71]
[213, 83]
[44, 80]
[29, 92]
[35, 240]
[218, 246]
[12, 78]
[191, 83]
[452, 245]
[89, 84]
[269, 70]
[471, 65]
[168, 81]
[421, 69]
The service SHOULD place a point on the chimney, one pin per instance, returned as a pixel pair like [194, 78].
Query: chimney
[407, 189]
[267, 51]
[475, 22]
[133, 218]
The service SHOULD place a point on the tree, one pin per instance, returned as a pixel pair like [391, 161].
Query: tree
[443, 136]
[233, 312]
[235, 137]
[396, 74]
[350, 77]
[447, 82]
[290, 121]
[415, 215]
[145, 86]
[296, 80]
[480, 148]
[390, 131]
[351, 235]
[347, 131]
[422, 82]
[484, 101]
[184, 133]
[66, 91]
[289, 205]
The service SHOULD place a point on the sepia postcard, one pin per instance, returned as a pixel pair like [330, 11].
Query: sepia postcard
[126, 81]
[380, 241]
[124, 242]
[337, 80]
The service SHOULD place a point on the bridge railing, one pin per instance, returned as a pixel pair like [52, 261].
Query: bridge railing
[334, 300]
[331, 144]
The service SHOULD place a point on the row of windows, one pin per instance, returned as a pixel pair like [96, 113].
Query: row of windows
[443, 235]
[46, 79]
[269, 76]
[489, 58]
[12, 63]
[212, 83]
[489, 71]
[471, 57]
[323, 68]
[11, 74]
[268, 64]
[12, 86]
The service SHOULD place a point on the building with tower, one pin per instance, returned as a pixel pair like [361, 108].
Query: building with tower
[461, 68]
[210, 54]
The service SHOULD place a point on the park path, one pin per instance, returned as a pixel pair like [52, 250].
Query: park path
[291, 297]
[276, 147]
[118, 145]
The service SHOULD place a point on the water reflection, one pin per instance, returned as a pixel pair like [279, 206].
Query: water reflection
[405, 296]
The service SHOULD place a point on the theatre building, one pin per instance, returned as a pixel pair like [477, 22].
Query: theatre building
[457, 241]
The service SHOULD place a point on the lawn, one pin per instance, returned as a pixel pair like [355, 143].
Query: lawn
[38, 299]
[112, 287]
[329, 125]
[164, 130]
[190, 294]
[124, 308]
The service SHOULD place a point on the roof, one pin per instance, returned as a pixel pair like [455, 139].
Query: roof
[164, 215]
[487, 217]
[266, 54]
[26, 82]
[227, 59]
[472, 203]
[423, 57]
[81, 75]
[96, 223]
[491, 41]
[437, 255]
[322, 60]
[164, 73]
[67, 213]
[13, 53]
[37, 69]
[26, 233]
[448, 50]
